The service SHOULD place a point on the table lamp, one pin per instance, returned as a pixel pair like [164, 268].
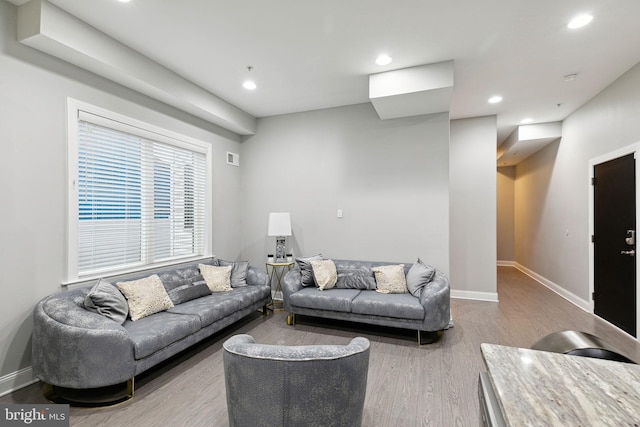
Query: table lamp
[279, 226]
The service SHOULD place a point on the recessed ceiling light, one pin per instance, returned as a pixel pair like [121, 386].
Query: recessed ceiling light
[383, 59]
[580, 21]
[526, 121]
[495, 99]
[124, 1]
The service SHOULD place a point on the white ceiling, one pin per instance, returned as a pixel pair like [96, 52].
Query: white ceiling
[310, 55]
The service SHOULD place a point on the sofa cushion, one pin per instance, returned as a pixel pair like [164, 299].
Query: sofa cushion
[221, 304]
[401, 306]
[218, 278]
[304, 263]
[331, 299]
[107, 300]
[238, 272]
[156, 332]
[324, 273]
[390, 279]
[145, 296]
[418, 277]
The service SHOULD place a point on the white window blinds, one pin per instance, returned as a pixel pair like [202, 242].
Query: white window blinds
[141, 197]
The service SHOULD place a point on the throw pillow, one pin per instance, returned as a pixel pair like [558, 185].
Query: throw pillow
[218, 278]
[107, 300]
[419, 276]
[145, 296]
[324, 273]
[304, 263]
[239, 271]
[355, 280]
[183, 290]
[390, 279]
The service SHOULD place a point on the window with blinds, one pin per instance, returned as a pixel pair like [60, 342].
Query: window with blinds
[141, 197]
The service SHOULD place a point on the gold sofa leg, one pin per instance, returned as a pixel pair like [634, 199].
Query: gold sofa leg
[130, 388]
[291, 319]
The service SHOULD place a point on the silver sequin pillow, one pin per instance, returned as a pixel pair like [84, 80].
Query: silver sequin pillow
[324, 273]
[145, 296]
[218, 278]
[390, 279]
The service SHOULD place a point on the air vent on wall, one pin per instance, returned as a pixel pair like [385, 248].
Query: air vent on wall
[233, 159]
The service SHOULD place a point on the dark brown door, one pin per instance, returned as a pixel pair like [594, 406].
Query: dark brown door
[614, 242]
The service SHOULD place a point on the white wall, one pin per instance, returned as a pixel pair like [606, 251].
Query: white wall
[552, 187]
[505, 186]
[33, 92]
[390, 178]
[473, 208]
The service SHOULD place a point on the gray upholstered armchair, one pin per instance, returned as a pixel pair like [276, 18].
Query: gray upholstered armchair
[314, 385]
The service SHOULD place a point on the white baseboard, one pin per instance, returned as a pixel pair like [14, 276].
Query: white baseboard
[479, 296]
[572, 298]
[493, 296]
[16, 380]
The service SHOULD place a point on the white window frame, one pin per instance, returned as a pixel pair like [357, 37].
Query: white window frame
[75, 109]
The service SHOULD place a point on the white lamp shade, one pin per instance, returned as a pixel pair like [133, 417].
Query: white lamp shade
[279, 224]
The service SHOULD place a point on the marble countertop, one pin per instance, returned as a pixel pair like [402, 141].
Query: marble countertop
[537, 388]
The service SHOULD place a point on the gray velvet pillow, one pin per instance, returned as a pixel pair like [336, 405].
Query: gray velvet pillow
[107, 300]
[238, 272]
[419, 276]
[304, 263]
[351, 279]
[186, 289]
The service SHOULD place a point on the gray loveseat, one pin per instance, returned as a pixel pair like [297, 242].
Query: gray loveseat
[77, 349]
[427, 309]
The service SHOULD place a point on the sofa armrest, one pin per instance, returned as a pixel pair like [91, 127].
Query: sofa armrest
[436, 300]
[291, 283]
[257, 277]
[76, 348]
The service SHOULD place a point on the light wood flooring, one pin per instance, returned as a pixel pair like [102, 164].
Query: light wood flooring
[433, 385]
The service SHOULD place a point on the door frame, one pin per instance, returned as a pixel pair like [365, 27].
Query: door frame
[630, 149]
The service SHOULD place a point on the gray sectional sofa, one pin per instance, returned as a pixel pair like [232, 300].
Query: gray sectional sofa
[78, 348]
[425, 308]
